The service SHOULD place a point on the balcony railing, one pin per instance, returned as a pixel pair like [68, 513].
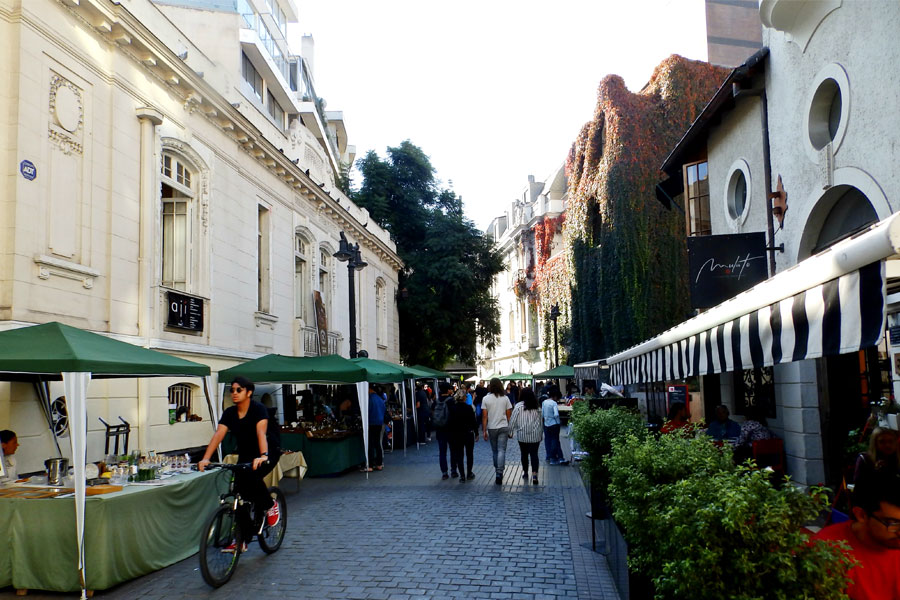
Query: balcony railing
[310, 338]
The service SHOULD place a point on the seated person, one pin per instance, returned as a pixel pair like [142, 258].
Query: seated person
[873, 535]
[882, 453]
[677, 418]
[723, 428]
[753, 429]
[9, 442]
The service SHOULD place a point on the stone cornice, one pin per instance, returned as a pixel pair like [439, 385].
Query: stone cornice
[117, 25]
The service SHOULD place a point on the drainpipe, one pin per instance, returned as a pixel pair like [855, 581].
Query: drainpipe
[737, 92]
[150, 118]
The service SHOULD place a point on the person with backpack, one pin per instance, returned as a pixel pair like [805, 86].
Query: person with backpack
[495, 411]
[440, 417]
[461, 430]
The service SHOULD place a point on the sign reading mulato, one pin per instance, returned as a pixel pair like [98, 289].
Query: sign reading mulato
[185, 312]
[722, 266]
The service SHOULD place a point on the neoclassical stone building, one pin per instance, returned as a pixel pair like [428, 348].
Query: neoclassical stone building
[171, 180]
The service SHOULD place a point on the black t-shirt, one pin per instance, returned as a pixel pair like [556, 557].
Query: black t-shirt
[244, 430]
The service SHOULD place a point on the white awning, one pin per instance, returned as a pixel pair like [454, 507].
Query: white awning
[830, 303]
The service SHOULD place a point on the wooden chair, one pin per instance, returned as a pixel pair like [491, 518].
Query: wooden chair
[770, 453]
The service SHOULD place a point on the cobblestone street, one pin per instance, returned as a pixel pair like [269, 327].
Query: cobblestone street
[405, 534]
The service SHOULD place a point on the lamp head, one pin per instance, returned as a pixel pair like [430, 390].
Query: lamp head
[358, 262]
[554, 312]
[345, 251]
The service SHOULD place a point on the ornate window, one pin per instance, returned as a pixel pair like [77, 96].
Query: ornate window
[177, 205]
[302, 294]
[380, 313]
[325, 271]
[182, 396]
[263, 260]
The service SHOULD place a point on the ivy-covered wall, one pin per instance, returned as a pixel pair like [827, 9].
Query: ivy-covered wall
[626, 254]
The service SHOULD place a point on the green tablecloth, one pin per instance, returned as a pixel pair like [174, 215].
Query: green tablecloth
[326, 457]
[127, 534]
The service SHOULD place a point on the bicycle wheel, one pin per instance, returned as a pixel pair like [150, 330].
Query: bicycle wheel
[272, 535]
[220, 547]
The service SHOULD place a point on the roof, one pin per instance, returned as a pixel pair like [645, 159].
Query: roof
[721, 101]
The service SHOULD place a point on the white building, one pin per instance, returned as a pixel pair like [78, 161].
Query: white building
[526, 342]
[174, 154]
[813, 114]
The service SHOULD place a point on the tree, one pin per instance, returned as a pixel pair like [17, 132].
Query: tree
[446, 304]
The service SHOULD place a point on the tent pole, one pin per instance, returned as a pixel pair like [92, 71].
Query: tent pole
[75, 385]
[208, 386]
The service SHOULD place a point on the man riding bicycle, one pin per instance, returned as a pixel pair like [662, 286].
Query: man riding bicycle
[248, 422]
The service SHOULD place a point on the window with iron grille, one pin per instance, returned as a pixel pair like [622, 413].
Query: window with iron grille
[181, 395]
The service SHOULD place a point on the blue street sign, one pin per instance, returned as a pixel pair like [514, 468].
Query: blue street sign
[28, 170]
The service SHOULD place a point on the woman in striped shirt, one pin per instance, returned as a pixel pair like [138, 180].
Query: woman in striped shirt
[527, 424]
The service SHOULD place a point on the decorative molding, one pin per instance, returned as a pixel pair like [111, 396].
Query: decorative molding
[49, 265]
[265, 320]
[68, 113]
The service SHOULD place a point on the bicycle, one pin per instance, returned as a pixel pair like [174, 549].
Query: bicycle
[223, 540]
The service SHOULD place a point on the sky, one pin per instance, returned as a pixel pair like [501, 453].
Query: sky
[492, 91]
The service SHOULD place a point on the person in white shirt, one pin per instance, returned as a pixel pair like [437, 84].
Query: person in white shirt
[495, 411]
[9, 442]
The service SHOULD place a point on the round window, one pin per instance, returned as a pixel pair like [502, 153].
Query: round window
[737, 192]
[825, 113]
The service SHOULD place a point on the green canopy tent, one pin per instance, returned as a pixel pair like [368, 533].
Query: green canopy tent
[381, 371]
[560, 372]
[330, 370]
[54, 351]
[431, 373]
[515, 376]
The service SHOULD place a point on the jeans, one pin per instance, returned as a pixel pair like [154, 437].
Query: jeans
[442, 449]
[376, 449]
[457, 447]
[552, 445]
[499, 439]
[424, 426]
[250, 485]
[529, 449]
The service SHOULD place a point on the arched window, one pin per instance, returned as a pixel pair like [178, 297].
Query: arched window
[302, 270]
[380, 313]
[176, 198]
[325, 275]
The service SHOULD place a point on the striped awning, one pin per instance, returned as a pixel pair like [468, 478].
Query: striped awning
[831, 303]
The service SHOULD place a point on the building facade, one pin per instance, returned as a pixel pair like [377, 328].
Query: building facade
[171, 180]
[795, 145]
[526, 342]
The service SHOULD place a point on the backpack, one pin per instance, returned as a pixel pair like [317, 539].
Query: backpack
[440, 415]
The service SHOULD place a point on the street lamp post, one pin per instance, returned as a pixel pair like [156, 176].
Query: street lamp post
[554, 315]
[350, 254]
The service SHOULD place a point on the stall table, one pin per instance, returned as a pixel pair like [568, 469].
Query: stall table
[326, 456]
[127, 534]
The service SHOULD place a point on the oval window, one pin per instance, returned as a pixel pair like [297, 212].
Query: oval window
[825, 114]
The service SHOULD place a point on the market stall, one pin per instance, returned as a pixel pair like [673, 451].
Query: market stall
[380, 371]
[55, 351]
[340, 449]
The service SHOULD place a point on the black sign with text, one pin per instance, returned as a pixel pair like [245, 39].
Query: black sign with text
[722, 266]
[185, 312]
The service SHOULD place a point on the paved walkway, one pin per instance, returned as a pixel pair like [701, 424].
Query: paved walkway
[405, 534]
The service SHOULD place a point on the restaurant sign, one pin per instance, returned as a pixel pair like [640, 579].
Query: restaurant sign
[185, 312]
[722, 266]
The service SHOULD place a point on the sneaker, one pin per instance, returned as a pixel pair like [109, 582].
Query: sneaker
[230, 548]
[534, 479]
[445, 477]
[273, 515]
[462, 479]
[525, 476]
[498, 480]
[453, 474]
[563, 462]
[471, 476]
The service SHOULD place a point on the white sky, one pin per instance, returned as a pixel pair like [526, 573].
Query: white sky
[492, 91]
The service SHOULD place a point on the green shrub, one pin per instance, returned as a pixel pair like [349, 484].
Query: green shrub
[596, 430]
[702, 528]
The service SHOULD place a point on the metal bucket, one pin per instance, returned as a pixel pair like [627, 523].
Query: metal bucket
[57, 468]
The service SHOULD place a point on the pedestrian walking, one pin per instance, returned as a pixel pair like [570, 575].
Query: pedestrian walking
[440, 415]
[552, 424]
[527, 424]
[461, 428]
[423, 414]
[495, 411]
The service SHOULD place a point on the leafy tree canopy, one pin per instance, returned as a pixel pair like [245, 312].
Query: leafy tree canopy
[447, 304]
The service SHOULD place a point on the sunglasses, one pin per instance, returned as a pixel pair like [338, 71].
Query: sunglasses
[891, 526]
[237, 389]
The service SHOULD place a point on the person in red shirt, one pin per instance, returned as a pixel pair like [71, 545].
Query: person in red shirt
[874, 538]
[677, 418]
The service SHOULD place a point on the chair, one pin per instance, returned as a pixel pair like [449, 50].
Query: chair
[770, 453]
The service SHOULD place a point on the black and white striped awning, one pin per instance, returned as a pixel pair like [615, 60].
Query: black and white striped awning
[831, 303]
